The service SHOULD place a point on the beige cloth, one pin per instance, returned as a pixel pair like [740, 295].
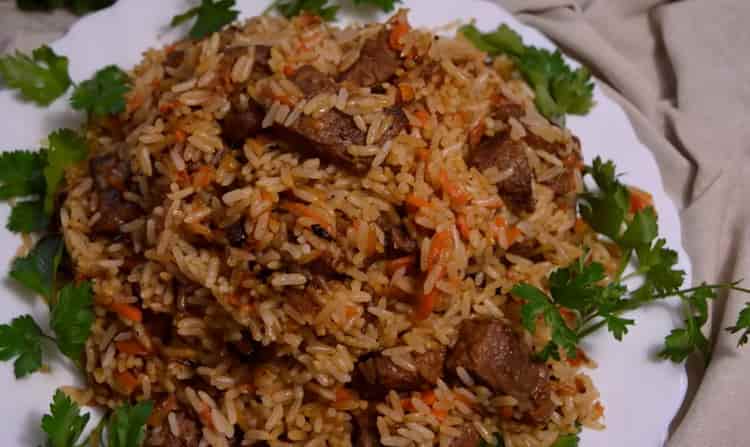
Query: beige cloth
[682, 72]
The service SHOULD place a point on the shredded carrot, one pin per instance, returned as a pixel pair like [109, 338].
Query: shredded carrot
[573, 161]
[580, 226]
[463, 227]
[205, 416]
[169, 106]
[440, 243]
[398, 31]
[288, 70]
[512, 234]
[598, 409]
[234, 299]
[407, 404]
[301, 210]
[183, 178]
[423, 154]
[476, 133]
[455, 192]
[132, 347]
[423, 117]
[439, 414]
[180, 136]
[393, 265]
[343, 395]
[425, 304]
[127, 381]
[639, 199]
[127, 311]
[350, 311]
[203, 177]
[506, 412]
[428, 397]
[162, 410]
[407, 92]
[372, 241]
[414, 203]
[170, 48]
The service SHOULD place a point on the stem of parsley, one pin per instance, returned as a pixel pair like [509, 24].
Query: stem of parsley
[633, 304]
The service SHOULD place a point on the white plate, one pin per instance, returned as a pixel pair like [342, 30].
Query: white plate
[641, 394]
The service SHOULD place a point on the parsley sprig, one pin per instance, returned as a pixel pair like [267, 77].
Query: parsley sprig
[65, 423]
[559, 90]
[210, 15]
[596, 301]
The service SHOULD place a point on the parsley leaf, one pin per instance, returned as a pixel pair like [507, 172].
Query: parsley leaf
[742, 324]
[21, 173]
[22, 339]
[317, 7]
[28, 217]
[537, 304]
[606, 209]
[65, 423]
[384, 5]
[570, 440]
[36, 271]
[103, 94]
[559, 90]
[641, 230]
[72, 317]
[211, 17]
[657, 263]
[66, 148]
[41, 78]
[127, 425]
[682, 342]
[575, 287]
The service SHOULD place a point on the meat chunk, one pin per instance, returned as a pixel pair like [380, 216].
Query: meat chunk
[235, 233]
[239, 125]
[377, 63]
[469, 437]
[365, 432]
[260, 62]
[495, 354]
[507, 155]
[399, 122]
[312, 81]
[303, 302]
[174, 59]
[111, 176]
[381, 373]
[397, 241]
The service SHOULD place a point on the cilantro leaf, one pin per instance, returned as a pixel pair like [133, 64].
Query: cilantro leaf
[66, 148]
[21, 173]
[575, 287]
[103, 94]
[41, 77]
[28, 217]
[36, 271]
[22, 339]
[127, 425]
[570, 440]
[210, 15]
[742, 324]
[65, 423]
[606, 209]
[618, 326]
[319, 8]
[657, 263]
[559, 90]
[537, 304]
[384, 5]
[72, 317]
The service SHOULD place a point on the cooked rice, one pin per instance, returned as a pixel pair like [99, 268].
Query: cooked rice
[230, 358]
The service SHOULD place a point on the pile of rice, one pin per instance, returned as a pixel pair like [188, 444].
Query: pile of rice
[212, 333]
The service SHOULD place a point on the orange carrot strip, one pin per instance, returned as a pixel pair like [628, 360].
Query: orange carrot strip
[395, 264]
[425, 304]
[454, 191]
[428, 397]
[288, 70]
[407, 404]
[423, 154]
[203, 177]
[512, 234]
[463, 227]
[127, 311]
[127, 381]
[476, 133]
[423, 117]
[506, 412]
[131, 347]
[301, 210]
[343, 395]
[398, 31]
[415, 203]
[439, 414]
[580, 226]
[639, 199]
[407, 92]
[439, 244]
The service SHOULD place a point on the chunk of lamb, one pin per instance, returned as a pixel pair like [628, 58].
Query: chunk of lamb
[493, 353]
[330, 134]
[377, 63]
[507, 155]
[111, 176]
[239, 125]
[380, 374]
[365, 430]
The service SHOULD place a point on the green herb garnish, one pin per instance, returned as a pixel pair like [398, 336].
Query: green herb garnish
[66, 148]
[103, 94]
[36, 271]
[559, 90]
[211, 16]
[22, 340]
[41, 77]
